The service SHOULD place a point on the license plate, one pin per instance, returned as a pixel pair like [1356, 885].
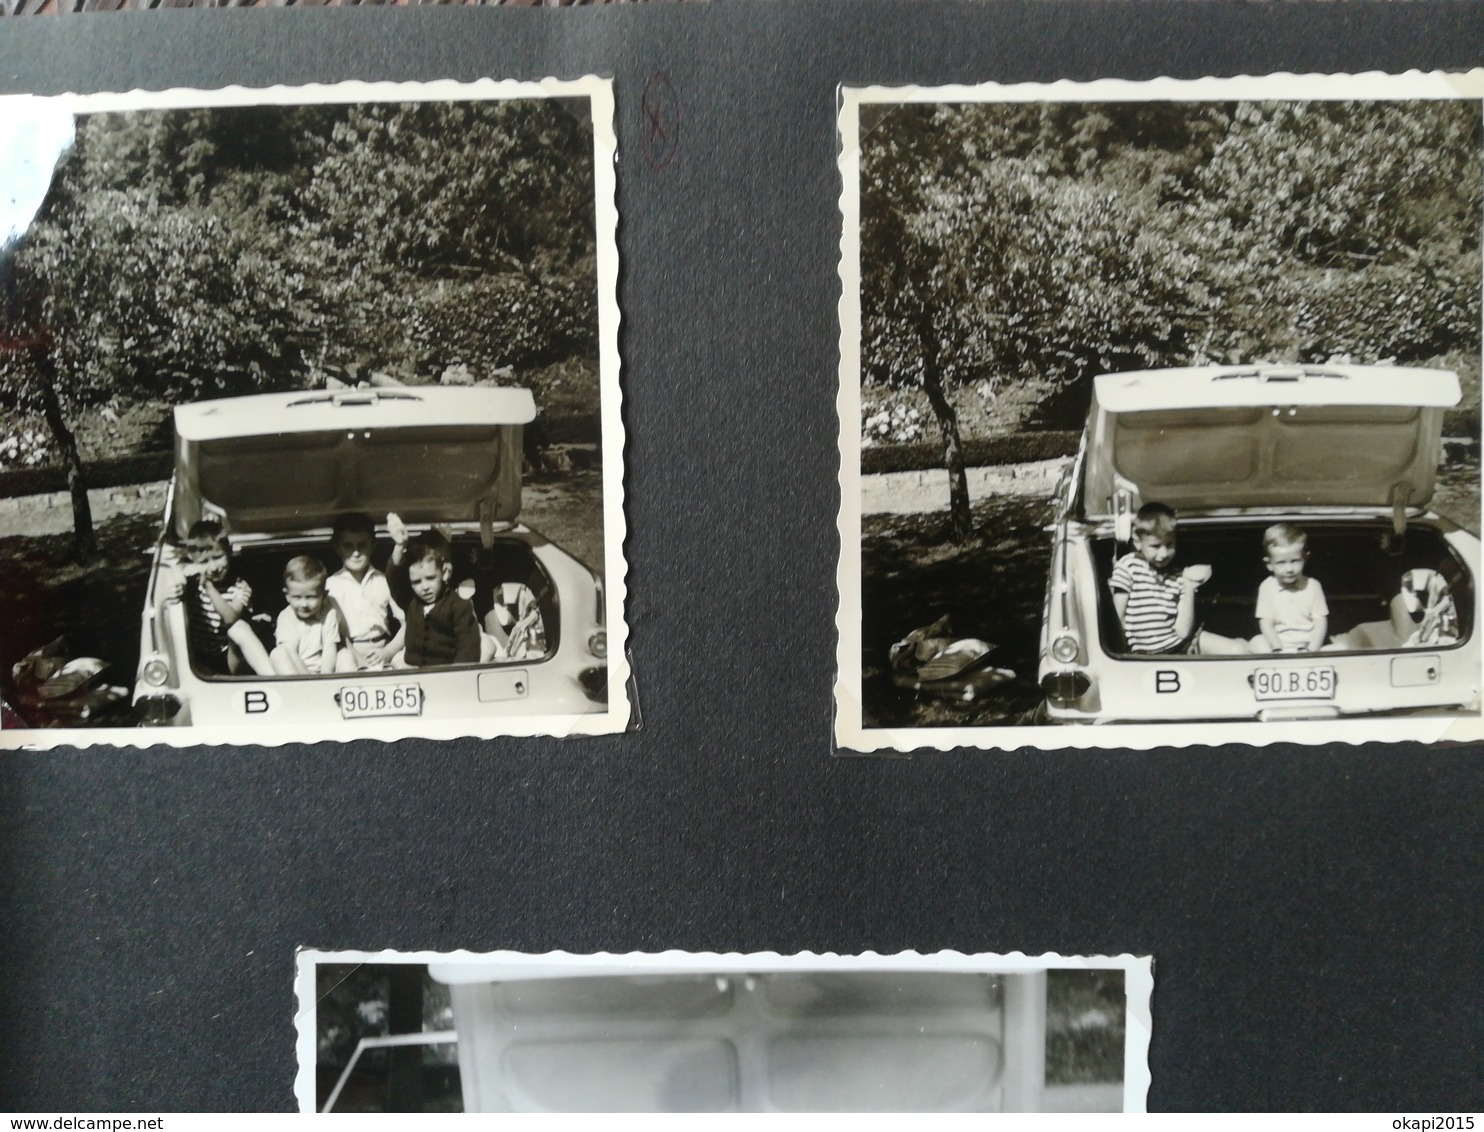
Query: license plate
[1289, 683]
[364, 701]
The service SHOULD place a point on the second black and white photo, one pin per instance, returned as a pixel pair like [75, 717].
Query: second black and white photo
[1159, 409]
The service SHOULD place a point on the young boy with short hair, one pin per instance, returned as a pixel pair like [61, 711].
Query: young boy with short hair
[219, 639]
[1292, 615]
[310, 635]
[440, 626]
[363, 596]
[1155, 600]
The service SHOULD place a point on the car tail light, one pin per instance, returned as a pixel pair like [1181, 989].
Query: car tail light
[158, 711]
[1064, 688]
[155, 672]
[1065, 648]
[597, 644]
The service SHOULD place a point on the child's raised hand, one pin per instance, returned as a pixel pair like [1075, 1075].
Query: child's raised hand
[1197, 576]
[396, 528]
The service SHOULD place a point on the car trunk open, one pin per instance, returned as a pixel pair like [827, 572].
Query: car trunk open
[1222, 438]
[1359, 563]
[280, 463]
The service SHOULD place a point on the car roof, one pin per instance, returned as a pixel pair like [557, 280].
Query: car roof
[1197, 387]
[327, 410]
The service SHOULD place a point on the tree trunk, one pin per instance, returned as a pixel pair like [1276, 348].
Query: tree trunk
[953, 448]
[84, 542]
[405, 1016]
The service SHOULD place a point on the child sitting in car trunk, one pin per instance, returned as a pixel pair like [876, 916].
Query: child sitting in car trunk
[1292, 614]
[220, 640]
[1155, 600]
[440, 626]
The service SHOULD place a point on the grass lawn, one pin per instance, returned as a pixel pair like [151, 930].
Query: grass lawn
[913, 573]
[43, 595]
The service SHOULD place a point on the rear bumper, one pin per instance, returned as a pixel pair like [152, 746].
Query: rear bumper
[1197, 690]
[475, 693]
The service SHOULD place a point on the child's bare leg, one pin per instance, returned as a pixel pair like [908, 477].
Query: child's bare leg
[1259, 644]
[489, 648]
[250, 648]
[1213, 645]
[280, 662]
[345, 661]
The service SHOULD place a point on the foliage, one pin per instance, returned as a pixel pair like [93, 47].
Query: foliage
[215, 252]
[352, 1002]
[492, 322]
[888, 423]
[1050, 242]
[23, 444]
[1019, 448]
[1062, 240]
[1085, 1026]
[185, 254]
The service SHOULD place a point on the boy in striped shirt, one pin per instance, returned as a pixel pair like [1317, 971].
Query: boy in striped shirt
[1155, 601]
[219, 640]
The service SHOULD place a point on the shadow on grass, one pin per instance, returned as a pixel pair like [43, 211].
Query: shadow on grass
[912, 572]
[44, 595]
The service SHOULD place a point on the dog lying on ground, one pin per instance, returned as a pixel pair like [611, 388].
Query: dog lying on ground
[932, 661]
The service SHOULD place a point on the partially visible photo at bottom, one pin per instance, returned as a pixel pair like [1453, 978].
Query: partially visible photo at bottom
[682, 1032]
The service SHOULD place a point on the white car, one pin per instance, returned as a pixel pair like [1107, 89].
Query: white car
[276, 469]
[1347, 453]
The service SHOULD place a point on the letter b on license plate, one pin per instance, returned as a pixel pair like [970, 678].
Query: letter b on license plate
[1292, 683]
[362, 701]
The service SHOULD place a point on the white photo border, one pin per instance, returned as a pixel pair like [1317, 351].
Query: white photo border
[1138, 971]
[619, 712]
[850, 732]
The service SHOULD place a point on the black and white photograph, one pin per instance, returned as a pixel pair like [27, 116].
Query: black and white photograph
[1160, 412]
[681, 1032]
[311, 423]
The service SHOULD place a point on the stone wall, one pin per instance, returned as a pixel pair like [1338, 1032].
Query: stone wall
[50, 513]
[918, 493]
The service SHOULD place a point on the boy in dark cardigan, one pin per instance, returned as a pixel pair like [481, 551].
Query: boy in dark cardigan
[441, 628]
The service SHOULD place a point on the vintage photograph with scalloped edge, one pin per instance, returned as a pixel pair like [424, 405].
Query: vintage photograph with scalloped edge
[1159, 412]
[311, 415]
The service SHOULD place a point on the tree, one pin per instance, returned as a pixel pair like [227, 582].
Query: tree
[975, 263]
[446, 231]
[141, 278]
[207, 253]
[1056, 241]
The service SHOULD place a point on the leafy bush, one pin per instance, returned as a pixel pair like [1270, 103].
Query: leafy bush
[1021, 448]
[1402, 312]
[24, 443]
[1058, 243]
[890, 424]
[490, 322]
